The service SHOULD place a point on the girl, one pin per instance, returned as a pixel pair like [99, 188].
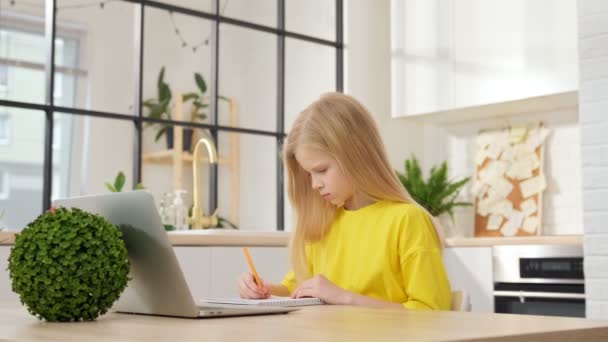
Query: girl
[360, 238]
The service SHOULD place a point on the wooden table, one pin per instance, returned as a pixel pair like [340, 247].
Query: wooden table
[318, 323]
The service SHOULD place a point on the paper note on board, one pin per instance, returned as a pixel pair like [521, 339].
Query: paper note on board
[514, 219]
[508, 230]
[493, 170]
[503, 208]
[517, 134]
[522, 152]
[520, 170]
[531, 224]
[536, 137]
[533, 186]
[493, 151]
[494, 222]
[486, 204]
[480, 157]
[501, 187]
[507, 154]
[528, 207]
[479, 189]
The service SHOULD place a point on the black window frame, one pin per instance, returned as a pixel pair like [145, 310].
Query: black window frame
[138, 119]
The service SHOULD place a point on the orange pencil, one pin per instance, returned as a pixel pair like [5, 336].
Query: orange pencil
[256, 277]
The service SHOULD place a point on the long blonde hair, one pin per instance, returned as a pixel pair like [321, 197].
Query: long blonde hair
[341, 126]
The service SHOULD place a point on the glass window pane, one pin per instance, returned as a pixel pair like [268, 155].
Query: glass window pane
[182, 56]
[85, 157]
[247, 75]
[95, 60]
[22, 57]
[310, 70]
[247, 180]
[315, 18]
[21, 167]
[199, 5]
[263, 12]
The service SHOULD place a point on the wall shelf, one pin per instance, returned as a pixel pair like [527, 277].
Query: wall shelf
[166, 157]
[529, 105]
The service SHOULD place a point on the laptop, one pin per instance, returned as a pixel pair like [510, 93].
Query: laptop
[157, 285]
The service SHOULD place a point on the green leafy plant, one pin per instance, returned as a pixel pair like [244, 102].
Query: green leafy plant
[198, 99]
[437, 194]
[119, 183]
[69, 265]
[159, 107]
[225, 223]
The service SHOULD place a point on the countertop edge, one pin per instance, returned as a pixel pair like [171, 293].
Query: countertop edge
[281, 239]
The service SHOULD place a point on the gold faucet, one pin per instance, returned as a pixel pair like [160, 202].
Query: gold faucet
[199, 220]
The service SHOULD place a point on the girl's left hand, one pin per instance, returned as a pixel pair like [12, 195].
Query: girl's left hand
[320, 287]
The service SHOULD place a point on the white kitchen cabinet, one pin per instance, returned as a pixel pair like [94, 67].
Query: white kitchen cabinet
[213, 272]
[195, 263]
[6, 293]
[470, 269]
[450, 54]
[228, 263]
[209, 271]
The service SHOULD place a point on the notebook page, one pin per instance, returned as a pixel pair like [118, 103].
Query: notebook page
[272, 301]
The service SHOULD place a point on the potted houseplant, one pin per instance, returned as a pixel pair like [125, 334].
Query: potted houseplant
[436, 194]
[68, 265]
[160, 108]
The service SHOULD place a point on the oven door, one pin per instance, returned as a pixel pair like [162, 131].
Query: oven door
[569, 302]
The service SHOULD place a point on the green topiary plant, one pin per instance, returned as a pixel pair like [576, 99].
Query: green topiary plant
[437, 194]
[69, 265]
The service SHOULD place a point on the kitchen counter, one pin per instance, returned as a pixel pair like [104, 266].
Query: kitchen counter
[223, 237]
[520, 240]
[316, 323]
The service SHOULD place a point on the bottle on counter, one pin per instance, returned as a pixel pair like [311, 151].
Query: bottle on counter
[164, 211]
[179, 210]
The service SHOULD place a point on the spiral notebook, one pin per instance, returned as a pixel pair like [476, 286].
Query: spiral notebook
[272, 301]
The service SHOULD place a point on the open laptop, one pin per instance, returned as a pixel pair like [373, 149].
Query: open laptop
[157, 285]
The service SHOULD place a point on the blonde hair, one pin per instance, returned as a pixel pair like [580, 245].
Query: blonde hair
[341, 126]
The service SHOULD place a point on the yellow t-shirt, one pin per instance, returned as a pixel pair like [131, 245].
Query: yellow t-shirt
[388, 251]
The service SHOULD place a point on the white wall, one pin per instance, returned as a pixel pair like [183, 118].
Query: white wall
[460, 53]
[368, 76]
[593, 100]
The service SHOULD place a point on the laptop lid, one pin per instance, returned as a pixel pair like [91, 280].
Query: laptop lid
[157, 284]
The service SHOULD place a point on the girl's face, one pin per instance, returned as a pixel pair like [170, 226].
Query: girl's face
[326, 175]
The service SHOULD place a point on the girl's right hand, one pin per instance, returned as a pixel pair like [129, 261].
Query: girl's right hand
[248, 289]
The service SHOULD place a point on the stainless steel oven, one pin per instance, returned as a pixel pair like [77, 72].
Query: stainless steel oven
[539, 280]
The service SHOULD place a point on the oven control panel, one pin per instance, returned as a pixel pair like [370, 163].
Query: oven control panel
[553, 268]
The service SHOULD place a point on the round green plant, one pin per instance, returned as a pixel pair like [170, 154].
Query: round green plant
[69, 265]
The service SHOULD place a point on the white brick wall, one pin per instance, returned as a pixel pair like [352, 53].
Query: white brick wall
[593, 115]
